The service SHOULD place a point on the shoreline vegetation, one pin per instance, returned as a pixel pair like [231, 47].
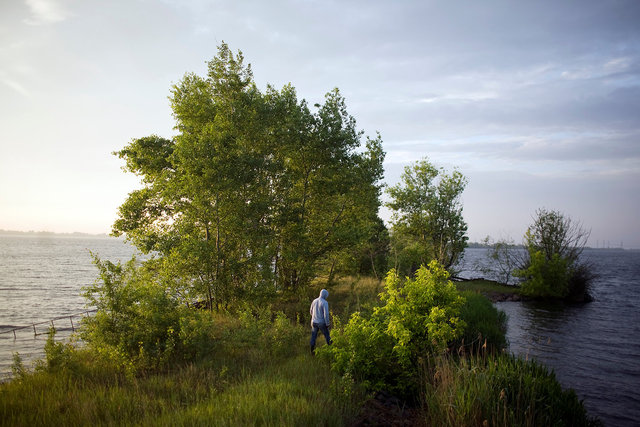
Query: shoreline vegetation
[253, 368]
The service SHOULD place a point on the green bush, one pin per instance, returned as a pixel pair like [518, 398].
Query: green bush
[138, 322]
[417, 318]
[554, 268]
[486, 325]
[545, 277]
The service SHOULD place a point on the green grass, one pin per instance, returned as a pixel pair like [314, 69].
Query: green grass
[249, 378]
[497, 390]
[256, 370]
[299, 391]
[486, 286]
[485, 324]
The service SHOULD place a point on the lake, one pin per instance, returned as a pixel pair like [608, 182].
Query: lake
[41, 278]
[593, 348]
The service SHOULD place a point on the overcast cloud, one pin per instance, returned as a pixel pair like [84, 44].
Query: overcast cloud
[537, 102]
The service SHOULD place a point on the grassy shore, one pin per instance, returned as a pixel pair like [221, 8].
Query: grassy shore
[493, 290]
[256, 370]
[244, 380]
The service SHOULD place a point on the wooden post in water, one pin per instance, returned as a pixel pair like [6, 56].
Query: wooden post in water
[72, 328]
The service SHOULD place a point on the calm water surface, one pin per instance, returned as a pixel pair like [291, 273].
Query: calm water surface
[593, 348]
[41, 278]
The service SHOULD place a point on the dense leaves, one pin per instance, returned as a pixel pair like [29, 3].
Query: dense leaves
[418, 318]
[256, 192]
[427, 217]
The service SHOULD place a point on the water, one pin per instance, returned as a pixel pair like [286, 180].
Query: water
[593, 348]
[41, 278]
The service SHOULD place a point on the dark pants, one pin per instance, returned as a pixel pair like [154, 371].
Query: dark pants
[314, 334]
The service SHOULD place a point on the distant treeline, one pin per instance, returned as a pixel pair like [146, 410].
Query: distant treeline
[480, 245]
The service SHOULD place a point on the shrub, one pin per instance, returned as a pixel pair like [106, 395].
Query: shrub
[139, 322]
[546, 278]
[554, 270]
[417, 318]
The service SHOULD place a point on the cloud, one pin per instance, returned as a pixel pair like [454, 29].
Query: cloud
[14, 85]
[45, 12]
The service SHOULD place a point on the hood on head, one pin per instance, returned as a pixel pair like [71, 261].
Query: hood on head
[324, 293]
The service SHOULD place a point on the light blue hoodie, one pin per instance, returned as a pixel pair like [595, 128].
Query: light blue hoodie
[320, 309]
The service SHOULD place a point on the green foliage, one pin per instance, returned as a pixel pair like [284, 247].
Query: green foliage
[256, 193]
[17, 367]
[137, 321]
[427, 217]
[254, 368]
[546, 278]
[58, 355]
[257, 371]
[554, 270]
[499, 390]
[486, 325]
[418, 317]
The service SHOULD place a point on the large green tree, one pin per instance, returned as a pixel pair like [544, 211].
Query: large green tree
[427, 217]
[254, 191]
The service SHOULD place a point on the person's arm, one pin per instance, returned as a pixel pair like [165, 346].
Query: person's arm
[327, 319]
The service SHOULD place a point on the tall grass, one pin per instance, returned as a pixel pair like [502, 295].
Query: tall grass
[350, 294]
[497, 390]
[297, 392]
[257, 372]
[486, 325]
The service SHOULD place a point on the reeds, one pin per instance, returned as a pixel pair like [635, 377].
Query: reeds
[496, 390]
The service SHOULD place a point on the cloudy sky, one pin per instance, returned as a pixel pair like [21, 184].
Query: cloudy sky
[536, 102]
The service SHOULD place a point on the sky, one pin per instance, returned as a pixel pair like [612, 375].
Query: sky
[537, 103]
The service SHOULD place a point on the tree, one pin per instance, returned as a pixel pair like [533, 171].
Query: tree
[427, 217]
[254, 190]
[503, 258]
[554, 243]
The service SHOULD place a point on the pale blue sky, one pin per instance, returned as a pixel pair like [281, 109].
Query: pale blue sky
[537, 102]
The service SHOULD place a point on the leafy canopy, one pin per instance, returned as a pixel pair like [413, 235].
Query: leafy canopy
[255, 191]
[427, 217]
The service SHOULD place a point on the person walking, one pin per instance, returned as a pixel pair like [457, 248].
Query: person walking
[320, 319]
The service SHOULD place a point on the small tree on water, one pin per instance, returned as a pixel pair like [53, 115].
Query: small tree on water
[553, 269]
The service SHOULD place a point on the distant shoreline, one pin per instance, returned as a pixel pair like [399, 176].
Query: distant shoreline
[50, 234]
[475, 245]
